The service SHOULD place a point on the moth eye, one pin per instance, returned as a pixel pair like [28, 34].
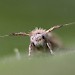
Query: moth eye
[43, 37]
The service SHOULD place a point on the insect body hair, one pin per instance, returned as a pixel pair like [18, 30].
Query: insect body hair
[39, 38]
[38, 31]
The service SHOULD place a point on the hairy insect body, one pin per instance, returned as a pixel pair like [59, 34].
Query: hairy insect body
[40, 40]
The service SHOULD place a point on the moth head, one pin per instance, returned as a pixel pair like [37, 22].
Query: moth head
[37, 39]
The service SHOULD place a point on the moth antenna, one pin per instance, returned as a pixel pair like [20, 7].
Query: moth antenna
[53, 28]
[58, 26]
[16, 34]
[4, 36]
[19, 34]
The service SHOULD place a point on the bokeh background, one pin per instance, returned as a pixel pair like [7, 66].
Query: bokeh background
[25, 15]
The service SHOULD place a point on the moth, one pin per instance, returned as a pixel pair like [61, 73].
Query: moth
[41, 39]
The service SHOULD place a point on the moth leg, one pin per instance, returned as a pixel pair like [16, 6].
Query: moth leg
[31, 46]
[29, 50]
[49, 46]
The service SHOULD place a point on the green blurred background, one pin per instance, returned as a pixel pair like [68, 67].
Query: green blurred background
[25, 15]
